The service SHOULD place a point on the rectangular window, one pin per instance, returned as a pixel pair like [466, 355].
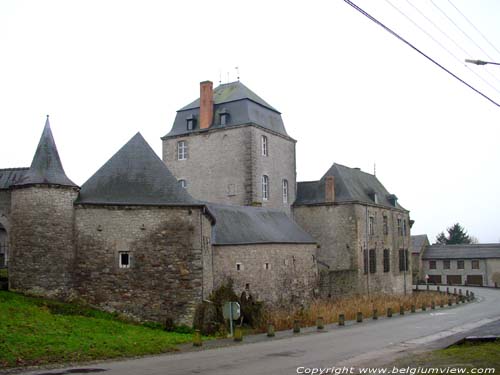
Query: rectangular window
[446, 264]
[475, 264]
[124, 259]
[404, 227]
[387, 260]
[400, 230]
[460, 264]
[183, 183]
[267, 266]
[386, 226]
[182, 150]
[285, 191]
[373, 261]
[239, 267]
[189, 124]
[371, 225]
[432, 264]
[265, 187]
[231, 190]
[403, 260]
[265, 150]
[365, 261]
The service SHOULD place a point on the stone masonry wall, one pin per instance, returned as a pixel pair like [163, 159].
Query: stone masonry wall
[41, 241]
[226, 166]
[291, 274]
[4, 226]
[166, 245]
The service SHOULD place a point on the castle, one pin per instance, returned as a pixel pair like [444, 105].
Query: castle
[152, 238]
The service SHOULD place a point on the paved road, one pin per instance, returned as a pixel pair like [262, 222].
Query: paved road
[370, 342]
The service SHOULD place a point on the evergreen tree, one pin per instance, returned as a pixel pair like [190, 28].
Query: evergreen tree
[456, 235]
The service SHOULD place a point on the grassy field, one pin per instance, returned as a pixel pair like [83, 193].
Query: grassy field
[34, 331]
[484, 355]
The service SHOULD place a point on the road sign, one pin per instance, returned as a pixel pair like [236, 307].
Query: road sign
[231, 309]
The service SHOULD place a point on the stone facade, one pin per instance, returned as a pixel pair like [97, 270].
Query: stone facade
[166, 277]
[273, 273]
[226, 165]
[4, 226]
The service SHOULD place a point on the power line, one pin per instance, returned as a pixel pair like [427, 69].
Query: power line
[460, 60]
[370, 17]
[475, 28]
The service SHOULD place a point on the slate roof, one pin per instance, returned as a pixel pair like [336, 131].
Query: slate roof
[135, 175]
[10, 176]
[254, 225]
[46, 167]
[242, 105]
[351, 185]
[418, 242]
[477, 251]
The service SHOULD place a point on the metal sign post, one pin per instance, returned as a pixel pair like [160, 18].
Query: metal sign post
[232, 312]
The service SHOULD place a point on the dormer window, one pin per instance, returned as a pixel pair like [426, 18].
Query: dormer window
[373, 196]
[224, 116]
[190, 122]
[393, 200]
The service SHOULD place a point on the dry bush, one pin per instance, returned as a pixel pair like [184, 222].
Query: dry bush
[283, 318]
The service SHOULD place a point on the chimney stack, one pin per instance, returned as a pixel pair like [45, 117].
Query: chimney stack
[206, 104]
[329, 189]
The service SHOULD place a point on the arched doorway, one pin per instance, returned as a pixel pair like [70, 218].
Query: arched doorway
[4, 246]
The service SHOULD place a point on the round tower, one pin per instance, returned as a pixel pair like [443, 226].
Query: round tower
[42, 216]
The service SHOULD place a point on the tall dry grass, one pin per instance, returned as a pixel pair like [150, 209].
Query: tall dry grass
[283, 318]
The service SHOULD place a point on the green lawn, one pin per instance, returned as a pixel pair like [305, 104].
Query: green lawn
[35, 331]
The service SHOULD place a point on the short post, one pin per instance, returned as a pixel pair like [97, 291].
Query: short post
[456, 301]
[473, 295]
[454, 290]
[433, 305]
[197, 338]
[319, 323]
[467, 293]
[450, 302]
[401, 310]
[296, 326]
[238, 334]
[441, 304]
[341, 320]
[389, 312]
[270, 330]
[375, 314]
[416, 287]
[359, 317]
[447, 290]
[412, 308]
[460, 292]
[424, 307]
[438, 288]
[427, 287]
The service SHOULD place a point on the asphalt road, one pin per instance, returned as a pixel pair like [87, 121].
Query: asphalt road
[369, 343]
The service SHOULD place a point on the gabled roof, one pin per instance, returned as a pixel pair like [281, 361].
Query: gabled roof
[242, 106]
[351, 185]
[46, 167]
[10, 176]
[254, 225]
[476, 251]
[135, 175]
[418, 242]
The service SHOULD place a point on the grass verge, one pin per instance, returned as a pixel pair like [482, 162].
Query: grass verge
[35, 331]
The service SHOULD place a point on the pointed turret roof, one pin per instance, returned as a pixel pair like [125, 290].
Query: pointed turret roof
[46, 167]
[135, 175]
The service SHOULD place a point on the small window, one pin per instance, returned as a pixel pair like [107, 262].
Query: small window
[386, 226]
[475, 264]
[285, 191]
[404, 227]
[373, 261]
[403, 260]
[460, 264]
[182, 150]
[375, 198]
[371, 226]
[432, 264]
[183, 183]
[265, 187]
[124, 259]
[231, 190]
[190, 120]
[265, 150]
[365, 262]
[387, 260]
[239, 267]
[400, 229]
[267, 266]
[446, 264]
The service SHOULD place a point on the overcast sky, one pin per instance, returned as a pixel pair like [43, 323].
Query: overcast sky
[349, 92]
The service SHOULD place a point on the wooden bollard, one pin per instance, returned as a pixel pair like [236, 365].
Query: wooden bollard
[473, 295]
[401, 310]
[467, 293]
[238, 334]
[433, 305]
[450, 302]
[197, 338]
[270, 330]
[341, 320]
[441, 304]
[296, 326]
[359, 317]
[389, 312]
[319, 323]
[375, 314]
[412, 308]
[424, 307]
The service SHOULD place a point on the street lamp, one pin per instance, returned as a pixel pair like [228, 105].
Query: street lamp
[480, 62]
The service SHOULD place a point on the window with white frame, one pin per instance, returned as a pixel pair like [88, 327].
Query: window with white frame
[265, 187]
[182, 150]
[265, 149]
[124, 259]
[285, 191]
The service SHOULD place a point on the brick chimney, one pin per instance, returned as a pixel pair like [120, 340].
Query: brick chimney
[206, 104]
[329, 189]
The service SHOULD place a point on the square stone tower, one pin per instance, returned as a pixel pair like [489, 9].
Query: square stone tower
[231, 147]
